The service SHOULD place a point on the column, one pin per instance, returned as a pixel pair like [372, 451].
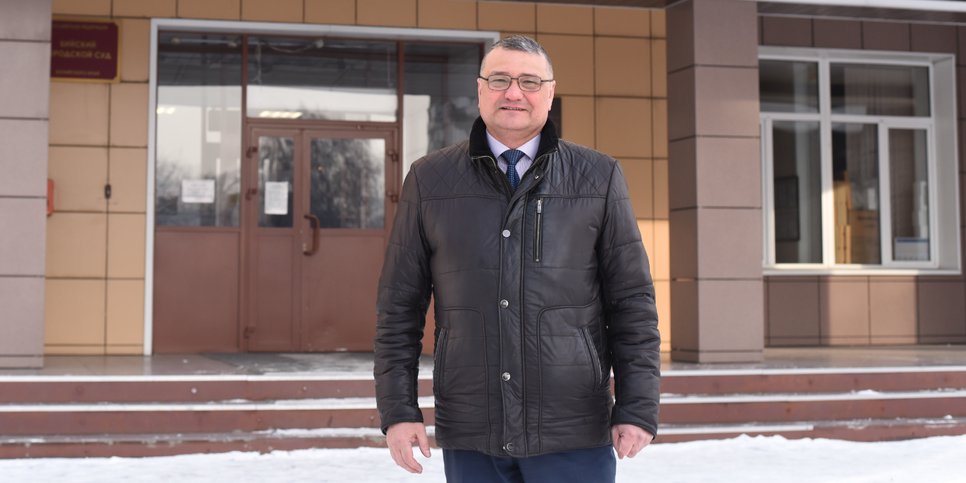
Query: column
[717, 297]
[24, 94]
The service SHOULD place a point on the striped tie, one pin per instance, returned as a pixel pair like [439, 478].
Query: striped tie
[512, 156]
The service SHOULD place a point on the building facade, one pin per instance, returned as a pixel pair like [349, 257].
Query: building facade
[794, 167]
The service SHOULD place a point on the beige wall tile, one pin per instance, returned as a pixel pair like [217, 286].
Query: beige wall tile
[82, 7]
[135, 49]
[646, 227]
[578, 119]
[79, 113]
[728, 243]
[74, 312]
[129, 115]
[892, 307]
[786, 31]
[572, 56]
[659, 118]
[659, 189]
[392, 13]
[659, 68]
[74, 350]
[731, 316]
[128, 177]
[639, 174]
[565, 19]
[76, 245]
[624, 127]
[793, 308]
[79, 175]
[22, 237]
[22, 324]
[330, 11]
[24, 86]
[447, 14]
[272, 10]
[24, 160]
[625, 22]
[125, 245]
[885, 35]
[658, 23]
[684, 306]
[141, 8]
[506, 16]
[125, 313]
[727, 101]
[660, 251]
[662, 298]
[26, 21]
[622, 66]
[844, 310]
[837, 34]
[216, 9]
[942, 310]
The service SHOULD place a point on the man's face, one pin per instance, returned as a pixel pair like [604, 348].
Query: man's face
[514, 116]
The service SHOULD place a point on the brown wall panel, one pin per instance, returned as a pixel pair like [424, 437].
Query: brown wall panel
[195, 291]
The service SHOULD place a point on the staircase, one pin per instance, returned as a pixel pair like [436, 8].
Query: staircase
[67, 416]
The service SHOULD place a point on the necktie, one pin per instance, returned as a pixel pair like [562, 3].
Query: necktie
[512, 156]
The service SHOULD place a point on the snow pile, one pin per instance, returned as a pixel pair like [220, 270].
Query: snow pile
[744, 459]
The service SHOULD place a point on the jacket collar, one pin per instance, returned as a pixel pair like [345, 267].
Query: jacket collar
[480, 147]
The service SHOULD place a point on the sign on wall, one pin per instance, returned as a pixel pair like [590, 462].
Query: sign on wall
[84, 51]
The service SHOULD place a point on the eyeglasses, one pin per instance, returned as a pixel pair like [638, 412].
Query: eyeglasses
[501, 82]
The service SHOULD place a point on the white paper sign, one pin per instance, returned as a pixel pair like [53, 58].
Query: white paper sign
[276, 197]
[197, 191]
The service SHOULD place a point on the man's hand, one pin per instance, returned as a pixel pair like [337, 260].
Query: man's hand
[401, 437]
[629, 440]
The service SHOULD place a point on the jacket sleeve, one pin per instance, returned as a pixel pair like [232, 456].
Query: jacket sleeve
[403, 298]
[630, 311]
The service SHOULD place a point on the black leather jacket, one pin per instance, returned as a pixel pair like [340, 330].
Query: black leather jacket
[538, 294]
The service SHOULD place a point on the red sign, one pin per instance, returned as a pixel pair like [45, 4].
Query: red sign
[83, 50]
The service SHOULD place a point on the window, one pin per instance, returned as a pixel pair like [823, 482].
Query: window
[860, 165]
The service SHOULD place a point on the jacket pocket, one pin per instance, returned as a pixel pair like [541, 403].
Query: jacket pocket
[592, 353]
[538, 239]
[439, 359]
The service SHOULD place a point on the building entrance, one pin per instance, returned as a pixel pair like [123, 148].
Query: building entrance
[318, 201]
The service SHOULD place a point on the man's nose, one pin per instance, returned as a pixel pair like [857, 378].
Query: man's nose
[514, 91]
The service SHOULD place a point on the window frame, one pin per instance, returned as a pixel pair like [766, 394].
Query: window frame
[941, 137]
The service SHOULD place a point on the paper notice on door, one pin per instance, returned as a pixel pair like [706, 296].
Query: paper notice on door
[197, 191]
[276, 197]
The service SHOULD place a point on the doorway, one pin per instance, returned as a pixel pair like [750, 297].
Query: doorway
[318, 204]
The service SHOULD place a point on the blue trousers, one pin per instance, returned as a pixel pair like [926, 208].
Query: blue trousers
[593, 465]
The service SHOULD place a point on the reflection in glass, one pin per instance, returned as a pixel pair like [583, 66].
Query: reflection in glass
[788, 86]
[855, 174]
[797, 192]
[276, 162]
[315, 78]
[440, 98]
[910, 194]
[880, 90]
[348, 178]
[198, 129]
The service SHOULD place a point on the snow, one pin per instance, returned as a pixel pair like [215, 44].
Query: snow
[745, 459]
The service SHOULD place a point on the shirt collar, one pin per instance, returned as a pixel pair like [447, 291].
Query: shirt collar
[529, 148]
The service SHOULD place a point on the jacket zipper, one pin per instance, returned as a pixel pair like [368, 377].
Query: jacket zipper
[592, 352]
[538, 242]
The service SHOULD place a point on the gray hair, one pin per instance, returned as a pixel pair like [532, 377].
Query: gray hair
[521, 43]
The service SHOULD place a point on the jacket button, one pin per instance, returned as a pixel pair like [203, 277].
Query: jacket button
[508, 447]
[504, 304]
[506, 376]
[506, 233]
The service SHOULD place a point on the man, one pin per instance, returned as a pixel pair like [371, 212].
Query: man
[531, 250]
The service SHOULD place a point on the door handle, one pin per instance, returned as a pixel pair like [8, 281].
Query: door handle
[315, 223]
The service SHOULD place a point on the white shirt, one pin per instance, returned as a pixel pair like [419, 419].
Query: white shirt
[529, 149]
